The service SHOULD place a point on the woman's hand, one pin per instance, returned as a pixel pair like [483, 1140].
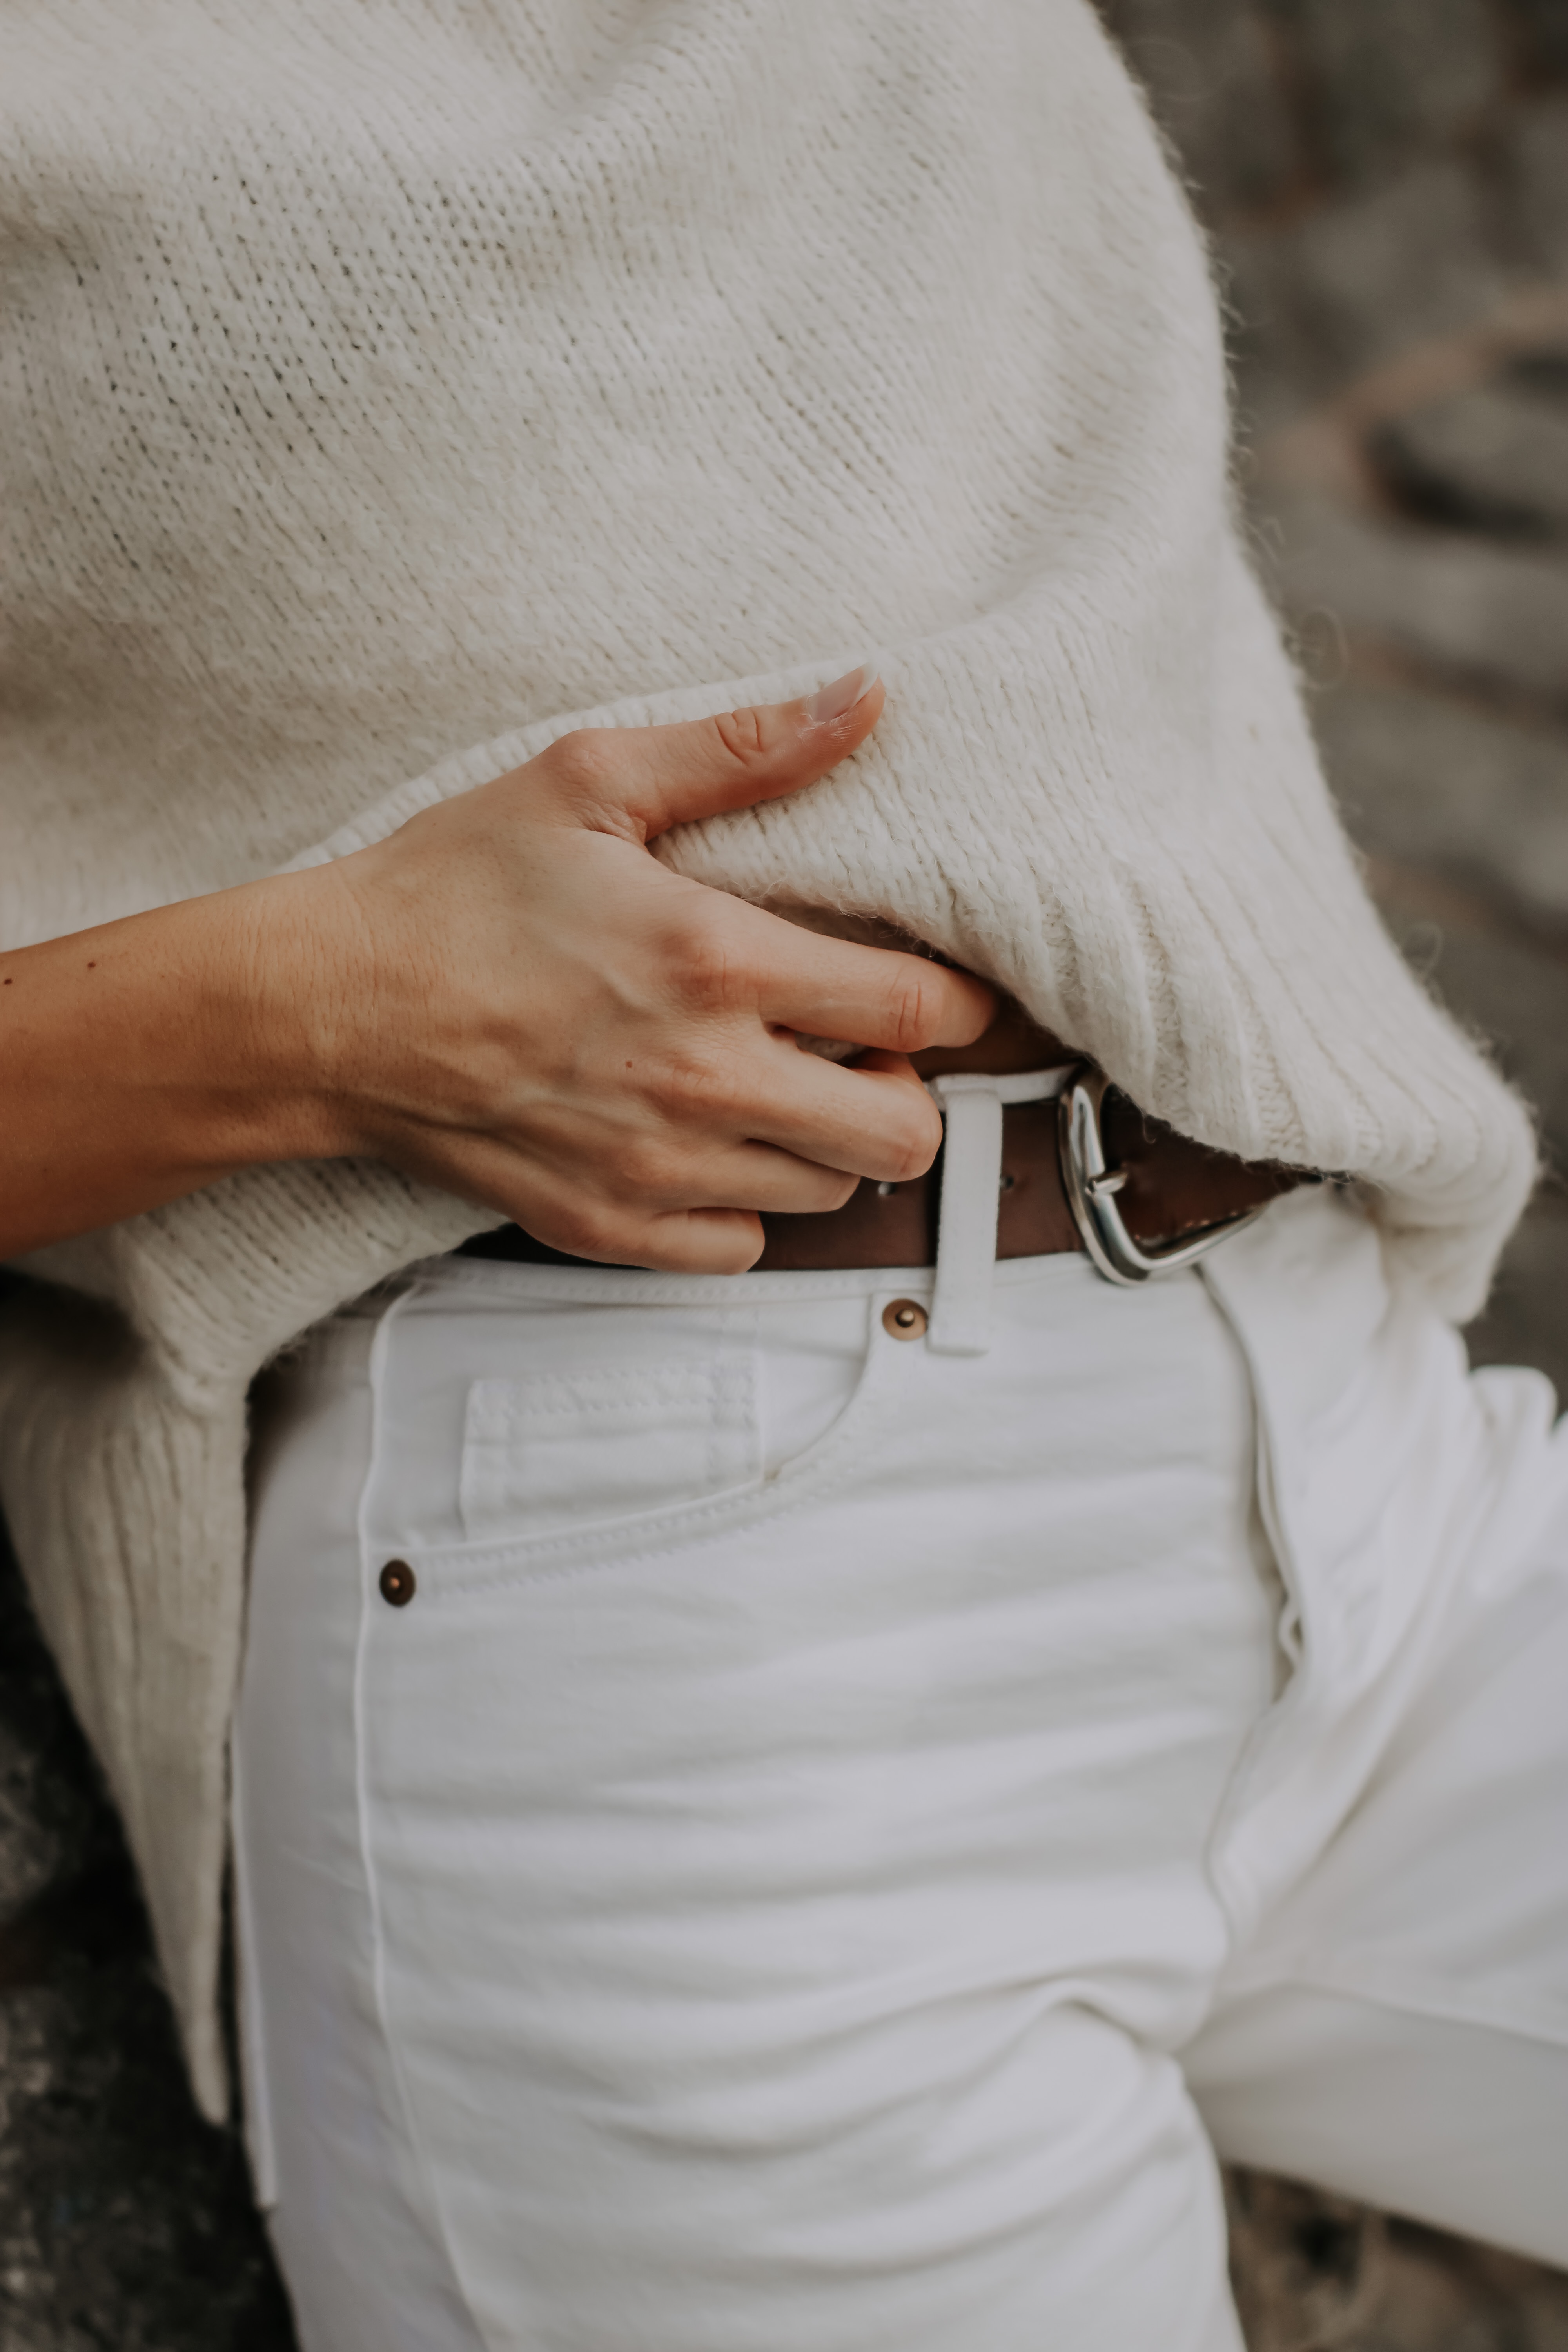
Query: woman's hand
[544, 1018]
[510, 998]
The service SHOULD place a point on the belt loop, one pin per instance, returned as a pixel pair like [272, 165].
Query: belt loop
[970, 1103]
[966, 1220]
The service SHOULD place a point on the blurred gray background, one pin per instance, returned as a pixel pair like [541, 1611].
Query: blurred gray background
[1386, 185]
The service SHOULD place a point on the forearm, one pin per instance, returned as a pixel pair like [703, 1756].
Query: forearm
[144, 1058]
[508, 998]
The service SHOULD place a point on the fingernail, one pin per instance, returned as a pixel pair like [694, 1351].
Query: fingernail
[833, 702]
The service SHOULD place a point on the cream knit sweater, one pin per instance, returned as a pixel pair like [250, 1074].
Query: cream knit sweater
[387, 378]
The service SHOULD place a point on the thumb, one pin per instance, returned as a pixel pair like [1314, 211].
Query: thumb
[640, 781]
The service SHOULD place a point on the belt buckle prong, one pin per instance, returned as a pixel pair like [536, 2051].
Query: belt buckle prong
[1091, 1185]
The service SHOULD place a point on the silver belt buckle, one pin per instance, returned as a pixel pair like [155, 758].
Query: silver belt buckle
[1091, 1186]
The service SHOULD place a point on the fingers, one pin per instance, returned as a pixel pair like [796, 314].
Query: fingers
[723, 958]
[876, 1119]
[699, 1216]
[711, 1238]
[869, 996]
[639, 781]
[764, 1177]
[571, 1216]
[671, 1241]
[701, 1241]
[746, 1176]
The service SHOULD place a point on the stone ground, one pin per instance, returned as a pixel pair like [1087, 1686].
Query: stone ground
[1386, 182]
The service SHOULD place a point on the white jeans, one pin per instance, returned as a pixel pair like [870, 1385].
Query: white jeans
[833, 1816]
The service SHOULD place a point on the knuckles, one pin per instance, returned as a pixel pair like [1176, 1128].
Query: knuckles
[835, 1194]
[696, 1088]
[588, 765]
[913, 1146]
[652, 1171]
[743, 736]
[587, 1229]
[918, 1002]
[699, 1245]
[711, 969]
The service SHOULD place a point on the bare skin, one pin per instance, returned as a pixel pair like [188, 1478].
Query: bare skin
[1011, 1041]
[508, 997]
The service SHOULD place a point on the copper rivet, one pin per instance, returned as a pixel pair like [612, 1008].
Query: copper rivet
[904, 1319]
[397, 1583]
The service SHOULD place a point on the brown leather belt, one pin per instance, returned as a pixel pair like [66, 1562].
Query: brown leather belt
[1167, 1189]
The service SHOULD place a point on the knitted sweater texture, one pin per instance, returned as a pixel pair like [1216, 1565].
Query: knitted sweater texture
[388, 387]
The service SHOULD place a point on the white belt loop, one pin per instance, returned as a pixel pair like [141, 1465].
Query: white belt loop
[971, 1104]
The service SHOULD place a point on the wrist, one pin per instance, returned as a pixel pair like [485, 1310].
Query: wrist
[281, 1004]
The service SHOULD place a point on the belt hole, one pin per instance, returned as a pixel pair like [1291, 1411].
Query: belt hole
[1007, 1181]
[397, 1583]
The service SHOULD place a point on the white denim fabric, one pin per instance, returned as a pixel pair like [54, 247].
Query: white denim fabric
[838, 1825]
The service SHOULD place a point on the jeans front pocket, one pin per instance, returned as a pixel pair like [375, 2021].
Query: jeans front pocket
[517, 1433]
[553, 1449]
